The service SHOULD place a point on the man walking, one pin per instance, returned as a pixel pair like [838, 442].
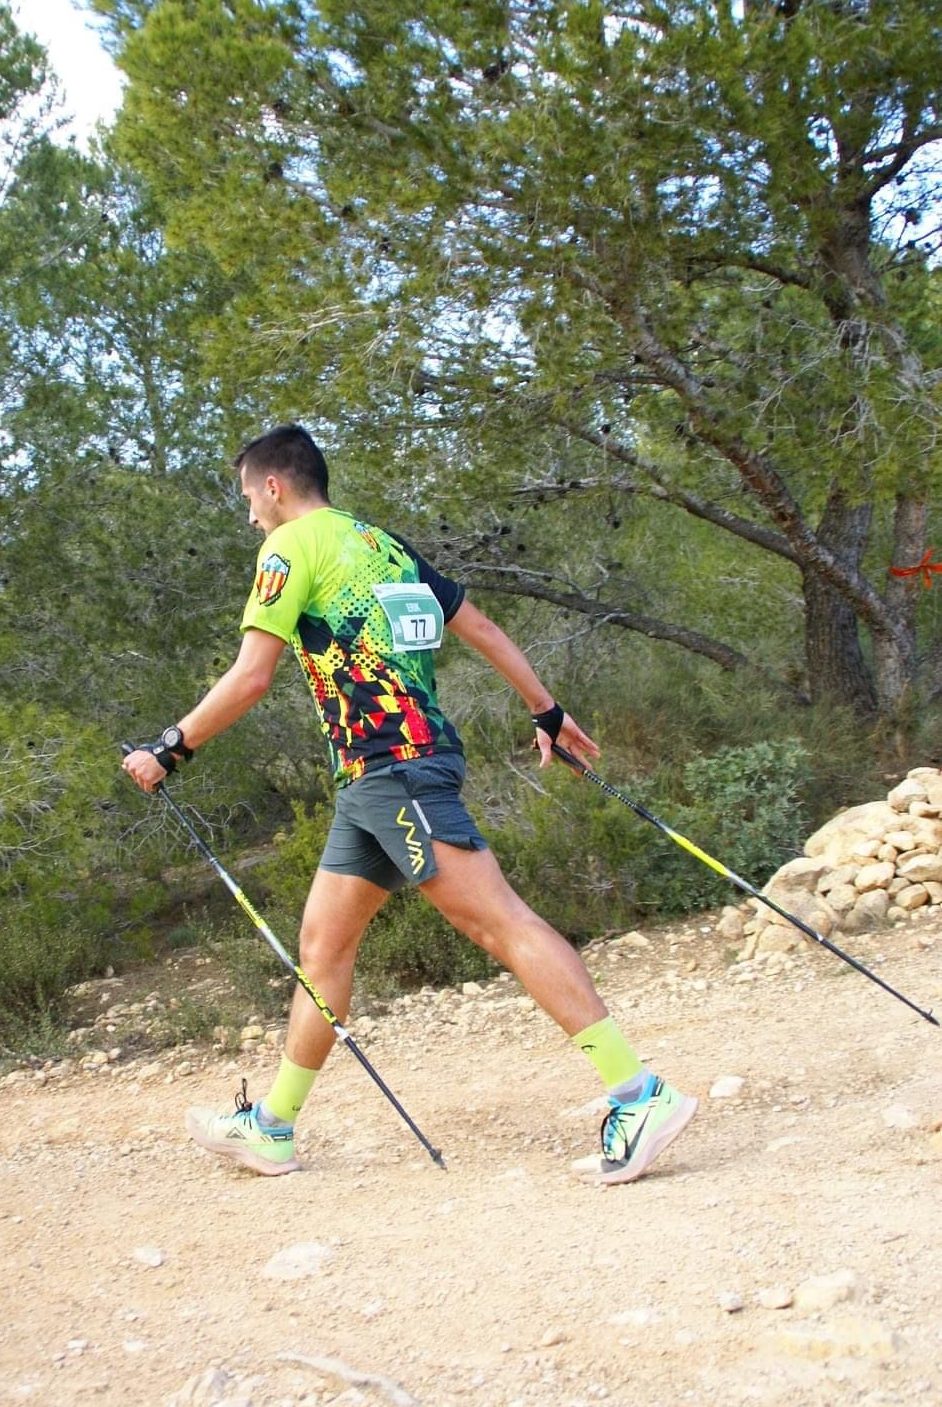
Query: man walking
[364, 614]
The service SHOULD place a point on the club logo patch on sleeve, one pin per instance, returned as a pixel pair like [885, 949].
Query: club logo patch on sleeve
[270, 582]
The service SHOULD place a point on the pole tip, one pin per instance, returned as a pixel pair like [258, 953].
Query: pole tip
[438, 1159]
[929, 1017]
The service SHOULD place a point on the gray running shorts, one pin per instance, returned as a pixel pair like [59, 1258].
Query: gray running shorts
[385, 821]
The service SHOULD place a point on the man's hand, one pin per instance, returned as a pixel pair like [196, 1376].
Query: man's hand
[143, 768]
[552, 724]
[565, 731]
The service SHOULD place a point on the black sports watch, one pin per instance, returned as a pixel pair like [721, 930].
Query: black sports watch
[172, 739]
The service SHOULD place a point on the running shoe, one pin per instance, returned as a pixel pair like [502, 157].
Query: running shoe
[240, 1136]
[634, 1134]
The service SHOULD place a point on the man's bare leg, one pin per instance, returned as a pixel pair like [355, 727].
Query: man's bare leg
[646, 1114]
[472, 893]
[261, 1136]
[336, 915]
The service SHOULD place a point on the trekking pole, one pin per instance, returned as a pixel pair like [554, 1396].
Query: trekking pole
[742, 884]
[340, 1031]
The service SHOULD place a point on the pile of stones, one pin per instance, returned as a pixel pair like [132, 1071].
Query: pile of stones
[868, 866]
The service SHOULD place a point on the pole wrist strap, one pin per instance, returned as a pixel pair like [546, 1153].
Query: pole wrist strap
[550, 720]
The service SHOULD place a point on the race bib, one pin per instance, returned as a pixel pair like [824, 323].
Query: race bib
[415, 618]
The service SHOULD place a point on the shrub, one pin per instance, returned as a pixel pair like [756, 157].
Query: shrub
[288, 877]
[257, 977]
[588, 863]
[46, 945]
[573, 855]
[54, 773]
[409, 945]
[747, 808]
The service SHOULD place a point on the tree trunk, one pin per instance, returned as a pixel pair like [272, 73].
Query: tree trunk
[894, 657]
[836, 666]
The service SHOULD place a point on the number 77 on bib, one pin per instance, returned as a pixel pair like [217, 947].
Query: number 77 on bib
[415, 618]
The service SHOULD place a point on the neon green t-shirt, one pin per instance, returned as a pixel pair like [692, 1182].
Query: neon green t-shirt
[363, 613]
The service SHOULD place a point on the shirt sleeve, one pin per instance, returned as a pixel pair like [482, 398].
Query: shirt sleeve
[449, 594]
[281, 590]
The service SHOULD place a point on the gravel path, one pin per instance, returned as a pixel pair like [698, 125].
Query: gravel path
[788, 1249]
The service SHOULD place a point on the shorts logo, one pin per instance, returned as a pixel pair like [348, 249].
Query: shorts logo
[270, 582]
[414, 846]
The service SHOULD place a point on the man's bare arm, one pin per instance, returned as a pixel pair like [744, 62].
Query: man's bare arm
[477, 630]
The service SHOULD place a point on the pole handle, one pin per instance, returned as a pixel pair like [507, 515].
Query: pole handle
[570, 759]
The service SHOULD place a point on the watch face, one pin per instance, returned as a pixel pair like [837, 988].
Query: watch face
[171, 737]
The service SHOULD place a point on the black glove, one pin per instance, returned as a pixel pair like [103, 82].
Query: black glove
[550, 720]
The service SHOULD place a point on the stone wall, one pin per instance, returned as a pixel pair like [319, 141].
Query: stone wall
[868, 866]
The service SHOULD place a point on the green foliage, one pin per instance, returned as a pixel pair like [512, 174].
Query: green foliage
[288, 876]
[588, 863]
[54, 775]
[494, 237]
[46, 945]
[257, 978]
[22, 60]
[409, 945]
[185, 1019]
[577, 861]
[746, 808]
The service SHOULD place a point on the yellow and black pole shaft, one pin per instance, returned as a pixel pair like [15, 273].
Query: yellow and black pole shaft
[735, 879]
[340, 1031]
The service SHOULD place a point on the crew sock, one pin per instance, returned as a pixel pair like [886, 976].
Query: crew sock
[285, 1099]
[616, 1061]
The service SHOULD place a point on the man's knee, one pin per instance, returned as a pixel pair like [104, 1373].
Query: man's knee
[338, 910]
[321, 945]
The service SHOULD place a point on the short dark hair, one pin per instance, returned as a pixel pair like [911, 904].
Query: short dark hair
[287, 450]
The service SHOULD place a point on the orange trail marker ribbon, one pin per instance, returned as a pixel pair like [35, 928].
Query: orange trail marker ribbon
[924, 568]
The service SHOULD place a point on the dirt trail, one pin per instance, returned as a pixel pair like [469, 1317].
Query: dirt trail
[503, 1282]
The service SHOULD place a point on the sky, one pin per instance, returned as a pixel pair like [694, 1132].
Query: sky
[90, 82]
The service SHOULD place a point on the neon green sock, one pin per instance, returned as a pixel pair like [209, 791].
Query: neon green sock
[616, 1061]
[292, 1086]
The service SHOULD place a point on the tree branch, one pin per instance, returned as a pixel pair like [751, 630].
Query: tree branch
[689, 502]
[899, 154]
[519, 582]
[778, 272]
[763, 481]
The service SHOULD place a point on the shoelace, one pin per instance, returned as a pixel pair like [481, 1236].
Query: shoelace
[611, 1128]
[619, 1120]
[242, 1102]
[245, 1109]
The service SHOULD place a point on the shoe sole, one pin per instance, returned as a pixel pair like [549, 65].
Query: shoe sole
[239, 1152]
[591, 1170]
